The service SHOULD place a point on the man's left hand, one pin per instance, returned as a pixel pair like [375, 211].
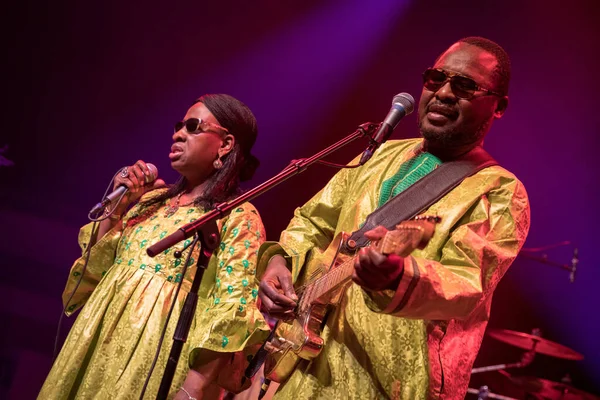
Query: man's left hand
[375, 271]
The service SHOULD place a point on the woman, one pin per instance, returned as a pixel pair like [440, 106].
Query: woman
[127, 294]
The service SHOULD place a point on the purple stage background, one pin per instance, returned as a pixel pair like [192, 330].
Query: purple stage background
[91, 87]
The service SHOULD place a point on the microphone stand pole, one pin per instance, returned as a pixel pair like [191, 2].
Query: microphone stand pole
[208, 233]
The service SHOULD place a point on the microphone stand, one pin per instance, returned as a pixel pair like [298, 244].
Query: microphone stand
[543, 259]
[208, 234]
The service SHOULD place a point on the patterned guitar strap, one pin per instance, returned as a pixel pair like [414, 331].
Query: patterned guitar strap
[422, 194]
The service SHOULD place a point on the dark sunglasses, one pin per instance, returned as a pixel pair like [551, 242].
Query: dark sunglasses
[196, 125]
[462, 87]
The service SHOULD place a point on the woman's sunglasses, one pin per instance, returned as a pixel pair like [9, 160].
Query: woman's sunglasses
[196, 125]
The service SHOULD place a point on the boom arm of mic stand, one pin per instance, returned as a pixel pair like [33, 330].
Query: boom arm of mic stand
[224, 209]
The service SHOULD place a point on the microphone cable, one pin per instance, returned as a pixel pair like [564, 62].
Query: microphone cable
[88, 249]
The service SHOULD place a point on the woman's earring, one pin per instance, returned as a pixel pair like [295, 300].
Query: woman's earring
[218, 164]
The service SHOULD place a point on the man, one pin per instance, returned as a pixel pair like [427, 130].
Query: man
[410, 327]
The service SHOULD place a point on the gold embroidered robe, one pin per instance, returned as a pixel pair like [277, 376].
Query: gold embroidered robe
[419, 341]
[126, 296]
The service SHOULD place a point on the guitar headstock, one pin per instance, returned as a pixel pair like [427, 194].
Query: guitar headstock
[408, 236]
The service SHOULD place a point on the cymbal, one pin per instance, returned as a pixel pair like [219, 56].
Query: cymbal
[527, 341]
[549, 389]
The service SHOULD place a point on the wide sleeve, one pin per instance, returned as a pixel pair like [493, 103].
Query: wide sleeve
[313, 225]
[101, 258]
[475, 256]
[231, 322]
[102, 255]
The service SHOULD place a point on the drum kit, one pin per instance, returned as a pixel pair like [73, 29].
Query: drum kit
[532, 387]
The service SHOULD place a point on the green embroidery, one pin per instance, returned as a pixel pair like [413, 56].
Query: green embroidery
[241, 308]
[224, 228]
[245, 282]
[167, 251]
[155, 227]
[231, 250]
[222, 246]
[258, 235]
[249, 225]
[225, 341]
[157, 268]
[230, 289]
[177, 262]
[246, 263]
[103, 273]
[247, 244]
[218, 283]
[177, 221]
[410, 172]
[128, 245]
[152, 218]
[119, 260]
[191, 262]
[130, 261]
[191, 210]
[254, 293]
[239, 210]
[217, 300]
[193, 219]
[243, 300]
[139, 228]
[170, 278]
[162, 234]
[221, 264]
[229, 269]
[72, 307]
[76, 273]
[187, 243]
[177, 278]
[235, 231]
[143, 266]
[143, 243]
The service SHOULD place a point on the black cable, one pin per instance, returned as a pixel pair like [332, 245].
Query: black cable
[64, 310]
[88, 250]
[164, 330]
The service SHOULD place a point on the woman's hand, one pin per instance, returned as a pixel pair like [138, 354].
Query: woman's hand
[139, 179]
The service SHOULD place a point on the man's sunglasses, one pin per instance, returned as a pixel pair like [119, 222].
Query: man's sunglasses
[462, 87]
[196, 125]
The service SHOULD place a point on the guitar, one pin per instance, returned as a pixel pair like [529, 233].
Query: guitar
[300, 339]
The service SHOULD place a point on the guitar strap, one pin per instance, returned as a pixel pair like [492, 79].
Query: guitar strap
[423, 193]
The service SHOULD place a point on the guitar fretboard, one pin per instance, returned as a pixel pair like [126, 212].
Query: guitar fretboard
[393, 242]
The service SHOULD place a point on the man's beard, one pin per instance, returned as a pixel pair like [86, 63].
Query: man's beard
[455, 137]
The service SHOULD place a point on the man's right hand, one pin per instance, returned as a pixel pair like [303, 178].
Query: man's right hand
[276, 290]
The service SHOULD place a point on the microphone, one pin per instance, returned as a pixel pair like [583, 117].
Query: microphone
[122, 189]
[402, 105]
[574, 262]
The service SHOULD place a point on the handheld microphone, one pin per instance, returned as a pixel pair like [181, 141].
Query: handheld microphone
[574, 262]
[402, 105]
[122, 189]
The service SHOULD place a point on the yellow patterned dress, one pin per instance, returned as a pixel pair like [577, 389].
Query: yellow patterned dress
[126, 296]
[420, 341]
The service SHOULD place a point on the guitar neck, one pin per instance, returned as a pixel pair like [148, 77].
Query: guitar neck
[402, 241]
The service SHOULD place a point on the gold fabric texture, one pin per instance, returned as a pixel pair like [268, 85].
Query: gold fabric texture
[126, 296]
[420, 341]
